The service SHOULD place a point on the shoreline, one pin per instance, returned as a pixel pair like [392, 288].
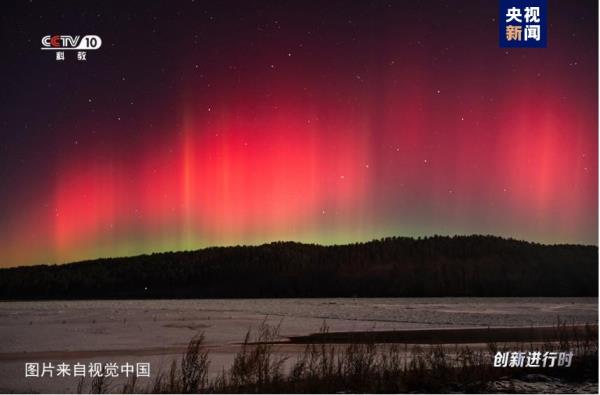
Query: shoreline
[476, 336]
[453, 336]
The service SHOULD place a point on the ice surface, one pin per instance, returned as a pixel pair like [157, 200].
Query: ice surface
[157, 330]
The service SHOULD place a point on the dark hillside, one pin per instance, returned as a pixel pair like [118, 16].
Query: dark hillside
[434, 266]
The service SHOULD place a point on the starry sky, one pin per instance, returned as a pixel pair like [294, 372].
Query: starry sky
[202, 123]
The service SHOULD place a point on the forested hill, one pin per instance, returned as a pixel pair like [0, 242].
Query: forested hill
[434, 266]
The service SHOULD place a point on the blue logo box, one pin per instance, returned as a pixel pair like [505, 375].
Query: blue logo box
[523, 23]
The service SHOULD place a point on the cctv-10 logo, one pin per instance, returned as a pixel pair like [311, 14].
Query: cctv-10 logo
[60, 43]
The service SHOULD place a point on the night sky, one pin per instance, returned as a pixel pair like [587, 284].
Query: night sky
[204, 123]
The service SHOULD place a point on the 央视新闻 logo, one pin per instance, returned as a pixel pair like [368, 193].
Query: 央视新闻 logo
[523, 23]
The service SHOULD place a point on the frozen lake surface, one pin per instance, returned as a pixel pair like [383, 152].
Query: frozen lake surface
[157, 330]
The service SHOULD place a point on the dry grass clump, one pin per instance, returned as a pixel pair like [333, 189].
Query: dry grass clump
[362, 367]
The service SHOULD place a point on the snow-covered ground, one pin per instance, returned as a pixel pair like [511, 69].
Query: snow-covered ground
[156, 331]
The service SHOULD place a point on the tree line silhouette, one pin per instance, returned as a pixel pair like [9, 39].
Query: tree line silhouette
[389, 267]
